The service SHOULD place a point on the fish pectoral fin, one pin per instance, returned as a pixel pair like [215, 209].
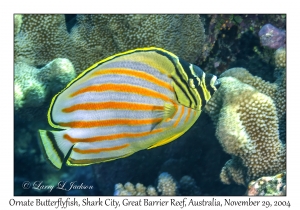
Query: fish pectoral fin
[166, 114]
[166, 141]
[55, 146]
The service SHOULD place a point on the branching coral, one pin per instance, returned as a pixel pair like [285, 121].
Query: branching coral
[166, 186]
[247, 126]
[138, 190]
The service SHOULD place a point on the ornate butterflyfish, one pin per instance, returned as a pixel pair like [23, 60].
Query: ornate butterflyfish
[138, 99]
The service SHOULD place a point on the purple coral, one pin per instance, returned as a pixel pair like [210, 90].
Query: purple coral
[272, 37]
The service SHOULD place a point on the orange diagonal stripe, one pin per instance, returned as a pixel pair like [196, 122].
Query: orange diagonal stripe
[121, 88]
[135, 73]
[180, 116]
[113, 105]
[112, 122]
[188, 115]
[88, 151]
[112, 137]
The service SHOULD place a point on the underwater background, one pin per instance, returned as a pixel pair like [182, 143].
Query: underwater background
[51, 50]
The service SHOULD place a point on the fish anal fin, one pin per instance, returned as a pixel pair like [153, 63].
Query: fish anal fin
[86, 162]
[166, 141]
[55, 146]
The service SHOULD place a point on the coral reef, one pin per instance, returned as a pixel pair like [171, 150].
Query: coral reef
[139, 190]
[42, 38]
[232, 40]
[268, 186]
[188, 186]
[247, 120]
[272, 37]
[280, 57]
[17, 23]
[33, 85]
[166, 186]
[180, 34]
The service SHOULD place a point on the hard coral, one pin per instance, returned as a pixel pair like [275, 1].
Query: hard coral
[98, 36]
[42, 38]
[39, 39]
[247, 127]
[166, 186]
[33, 85]
[268, 186]
[17, 23]
[280, 57]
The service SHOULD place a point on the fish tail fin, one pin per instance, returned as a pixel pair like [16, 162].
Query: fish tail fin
[55, 146]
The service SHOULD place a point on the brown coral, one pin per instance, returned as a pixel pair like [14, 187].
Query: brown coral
[166, 186]
[247, 127]
[43, 38]
[99, 36]
[276, 90]
[280, 57]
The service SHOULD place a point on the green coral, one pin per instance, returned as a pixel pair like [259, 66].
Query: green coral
[33, 85]
[17, 23]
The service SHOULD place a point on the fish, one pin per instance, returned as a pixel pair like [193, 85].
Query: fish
[134, 100]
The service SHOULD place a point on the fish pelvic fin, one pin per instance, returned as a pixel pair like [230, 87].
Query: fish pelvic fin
[55, 146]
